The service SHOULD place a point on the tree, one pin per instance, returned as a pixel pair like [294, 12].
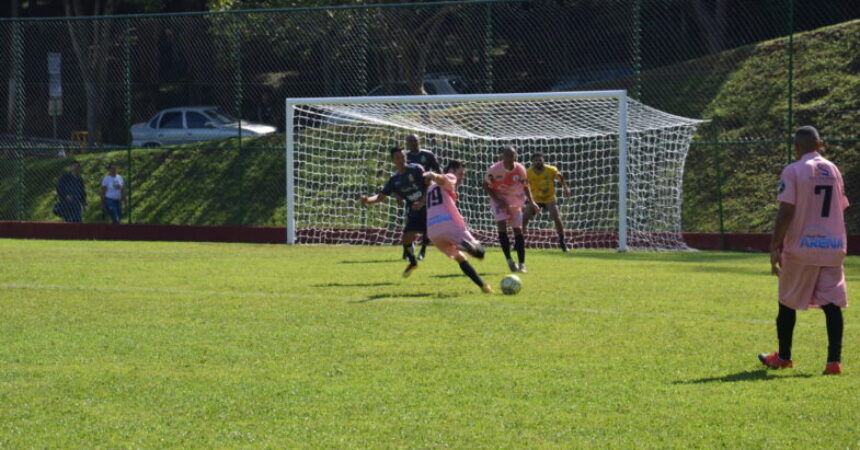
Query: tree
[92, 41]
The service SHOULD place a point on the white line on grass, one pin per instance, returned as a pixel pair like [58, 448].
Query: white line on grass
[491, 303]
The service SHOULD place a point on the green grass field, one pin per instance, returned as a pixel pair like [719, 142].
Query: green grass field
[117, 344]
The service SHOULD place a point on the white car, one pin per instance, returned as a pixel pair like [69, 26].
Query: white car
[192, 124]
[434, 84]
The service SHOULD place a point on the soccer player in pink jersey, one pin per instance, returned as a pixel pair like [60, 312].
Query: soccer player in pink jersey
[506, 183]
[808, 247]
[445, 226]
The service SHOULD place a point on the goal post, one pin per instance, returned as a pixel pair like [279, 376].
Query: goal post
[622, 159]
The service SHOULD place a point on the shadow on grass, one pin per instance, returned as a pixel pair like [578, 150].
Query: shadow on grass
[323, 285]
[747, 375]
[458, 275]
[424, 295]
[367, 261]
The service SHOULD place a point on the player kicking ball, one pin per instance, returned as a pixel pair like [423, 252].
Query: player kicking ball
[507, 185]
[446, 227]
[407, 183]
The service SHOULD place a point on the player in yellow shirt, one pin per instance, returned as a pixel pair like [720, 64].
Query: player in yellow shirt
[542, 178]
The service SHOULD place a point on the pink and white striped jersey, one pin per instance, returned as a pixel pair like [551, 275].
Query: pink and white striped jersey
[816, 235]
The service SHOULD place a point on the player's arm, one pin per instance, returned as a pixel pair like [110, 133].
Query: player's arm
[488, 188]
[783, 221]
[528, 193]
[365, 200]
[562, 183]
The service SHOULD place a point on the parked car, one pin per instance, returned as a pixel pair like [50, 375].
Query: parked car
[192, 124]
[593, 74]
[434, 84]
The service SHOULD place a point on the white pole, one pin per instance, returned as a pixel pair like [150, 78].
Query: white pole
[291, 213]
[622, 172]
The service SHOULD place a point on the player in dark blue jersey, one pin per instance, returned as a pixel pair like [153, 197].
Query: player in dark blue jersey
[407, 183]
[428, 161]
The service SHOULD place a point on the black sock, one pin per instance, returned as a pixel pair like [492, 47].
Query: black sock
[506, 244]
[424, 245]
[835, 324]
[561, 243]
[470, 272]
[520, 246]
[785, 330]
[410, 253]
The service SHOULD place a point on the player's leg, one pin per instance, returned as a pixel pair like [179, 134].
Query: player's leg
[519, 237]
[559, 227]
[471, 273]
[425, 241]
[470, 245]
[835, 326]
[529, 213]
[832, 295]
[408, 239]
[796, 287]
[505, 243]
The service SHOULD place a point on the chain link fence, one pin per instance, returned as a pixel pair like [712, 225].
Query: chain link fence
[85, 89]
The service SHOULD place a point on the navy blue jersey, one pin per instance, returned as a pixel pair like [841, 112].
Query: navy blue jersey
[408, 185]
[425, 158]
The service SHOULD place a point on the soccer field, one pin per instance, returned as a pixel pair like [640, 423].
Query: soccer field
[126, 344]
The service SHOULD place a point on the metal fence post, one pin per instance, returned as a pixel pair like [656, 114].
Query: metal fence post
[361, 77]
[637, 50]
[718, 148]
[488, 48]
[18, 55]
[236, 49]
[126, 81]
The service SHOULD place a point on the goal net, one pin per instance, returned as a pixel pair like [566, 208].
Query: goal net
[622, 160]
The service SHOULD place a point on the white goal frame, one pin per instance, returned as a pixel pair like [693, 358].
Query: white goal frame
[619, 95]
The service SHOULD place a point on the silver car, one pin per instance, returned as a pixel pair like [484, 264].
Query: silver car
[192, 124]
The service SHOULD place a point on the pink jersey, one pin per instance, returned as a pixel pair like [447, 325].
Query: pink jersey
[508, 183]
[442, 212]
[816, 236]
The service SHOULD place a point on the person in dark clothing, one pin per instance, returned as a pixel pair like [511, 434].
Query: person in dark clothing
[72, 194]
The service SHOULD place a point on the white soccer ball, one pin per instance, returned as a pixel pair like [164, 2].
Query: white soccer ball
[511, 284]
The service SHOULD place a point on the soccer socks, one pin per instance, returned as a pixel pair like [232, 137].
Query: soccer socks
[506, 244]
[785, 330]
[561, 243]
[470, 272]
[835, 324]
[520, 246]
[410, 253]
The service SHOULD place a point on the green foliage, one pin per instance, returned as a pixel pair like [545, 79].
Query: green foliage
[212, 345]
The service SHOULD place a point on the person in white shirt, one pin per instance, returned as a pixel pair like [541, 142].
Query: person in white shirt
[113, 193]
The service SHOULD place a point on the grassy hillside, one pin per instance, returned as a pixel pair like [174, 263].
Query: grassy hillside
[743, 91]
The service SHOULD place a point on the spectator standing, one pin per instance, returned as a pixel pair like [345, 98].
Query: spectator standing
[113, 193]
[72, 194]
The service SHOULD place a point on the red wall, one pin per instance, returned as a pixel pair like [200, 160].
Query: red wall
[277, 235]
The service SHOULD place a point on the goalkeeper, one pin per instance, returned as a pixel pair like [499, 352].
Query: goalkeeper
[407, 182]
[542, 178]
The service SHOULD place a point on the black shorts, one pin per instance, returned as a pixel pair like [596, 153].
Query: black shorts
[416, 221]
